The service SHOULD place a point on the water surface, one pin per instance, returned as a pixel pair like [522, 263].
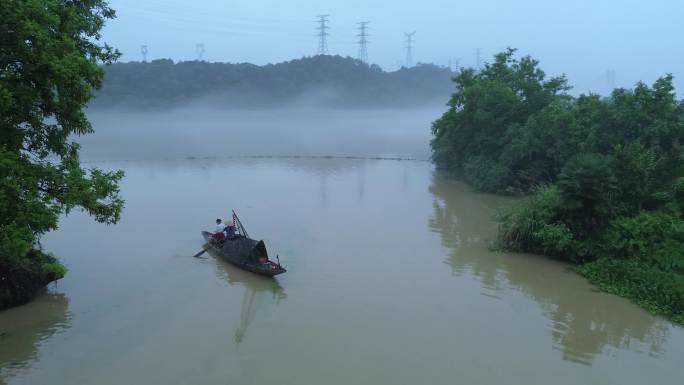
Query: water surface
[391, 281]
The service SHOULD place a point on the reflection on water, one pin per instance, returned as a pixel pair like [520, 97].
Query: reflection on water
[583, 323]
[22, 329]
[390, 282]
[256, 288]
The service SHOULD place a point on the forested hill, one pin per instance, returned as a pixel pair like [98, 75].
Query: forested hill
[321, 80]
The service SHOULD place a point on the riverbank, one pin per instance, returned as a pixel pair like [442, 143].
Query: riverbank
[635, 257]
[18, 284]
[604, 175]
[659, 291]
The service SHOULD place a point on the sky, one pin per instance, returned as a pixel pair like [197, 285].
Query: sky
[583, 39]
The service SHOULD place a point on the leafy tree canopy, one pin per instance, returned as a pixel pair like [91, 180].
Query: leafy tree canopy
[50, 56]
[606, 174]
[327, 80]
[485, 115]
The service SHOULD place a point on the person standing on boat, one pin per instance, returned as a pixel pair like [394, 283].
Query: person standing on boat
[219, 234]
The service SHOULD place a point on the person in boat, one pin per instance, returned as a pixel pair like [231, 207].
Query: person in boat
[263, 260]
[219, 233]
[230, 231]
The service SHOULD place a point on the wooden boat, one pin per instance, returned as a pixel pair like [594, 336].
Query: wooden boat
[244, 252]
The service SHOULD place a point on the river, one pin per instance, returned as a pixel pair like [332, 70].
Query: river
[391, 278]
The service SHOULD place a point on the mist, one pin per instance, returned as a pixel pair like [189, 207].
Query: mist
[203, 131]
[341, 192]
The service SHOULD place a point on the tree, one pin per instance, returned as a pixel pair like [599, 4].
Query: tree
[486, 113]
[606, 174]
[324, 80]
[50, 56]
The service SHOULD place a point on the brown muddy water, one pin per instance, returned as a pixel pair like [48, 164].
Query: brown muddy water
[390, 281]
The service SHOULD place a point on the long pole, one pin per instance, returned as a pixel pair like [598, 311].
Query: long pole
[239, 224]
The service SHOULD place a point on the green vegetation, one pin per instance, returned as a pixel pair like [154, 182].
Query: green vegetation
[325, 80]
[49, 66]
[605, 175]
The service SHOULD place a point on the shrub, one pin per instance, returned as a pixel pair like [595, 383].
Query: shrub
[519, 225]
[588, 186]
[486, 174]
[615, 164]
[54, 270]
[556, 239]
[19, 283]
[656, 238]
[657, 290]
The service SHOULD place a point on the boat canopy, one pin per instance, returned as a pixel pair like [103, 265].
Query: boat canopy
[244, 249]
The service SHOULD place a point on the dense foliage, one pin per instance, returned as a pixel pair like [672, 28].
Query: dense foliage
[322, 80]
[479, 137]
[606, 175]
[49, 66]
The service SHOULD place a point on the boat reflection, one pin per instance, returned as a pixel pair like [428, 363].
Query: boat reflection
[582, 323]
[258, 290]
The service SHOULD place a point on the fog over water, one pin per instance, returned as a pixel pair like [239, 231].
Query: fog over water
[317, 133]
[301, 131]
[391, 276]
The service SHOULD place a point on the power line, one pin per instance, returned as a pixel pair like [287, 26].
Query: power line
[186, 24]
[143, 51]
[199, 49]
[363, 41]
[323, 34]
[218, 13]
[409, 48]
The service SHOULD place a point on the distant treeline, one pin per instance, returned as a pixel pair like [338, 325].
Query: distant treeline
[322, 80]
